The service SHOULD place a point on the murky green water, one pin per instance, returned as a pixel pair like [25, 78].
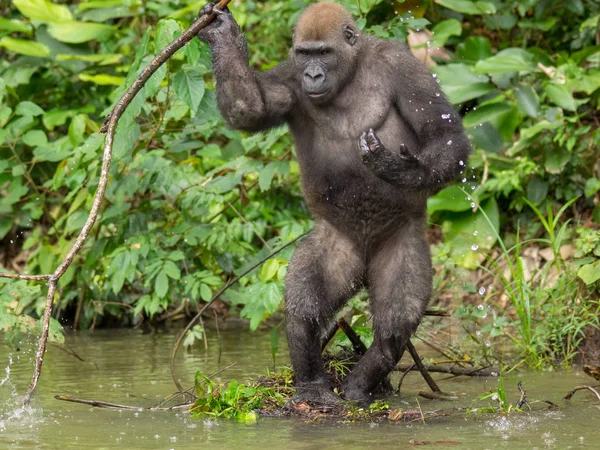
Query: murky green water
[132, 368]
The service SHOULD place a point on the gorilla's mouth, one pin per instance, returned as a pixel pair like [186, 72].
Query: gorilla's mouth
[317, 94]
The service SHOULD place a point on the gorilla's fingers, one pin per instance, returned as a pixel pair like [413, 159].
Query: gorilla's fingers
[363, 144]
[373, 141]
[206, 9]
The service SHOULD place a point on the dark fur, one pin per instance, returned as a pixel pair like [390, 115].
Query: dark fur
[371, 149]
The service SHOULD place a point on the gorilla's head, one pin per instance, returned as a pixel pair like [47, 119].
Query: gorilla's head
[325, 50]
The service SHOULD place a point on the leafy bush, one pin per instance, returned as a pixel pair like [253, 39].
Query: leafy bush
[191, 203]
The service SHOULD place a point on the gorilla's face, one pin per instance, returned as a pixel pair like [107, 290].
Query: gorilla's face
[324, 66]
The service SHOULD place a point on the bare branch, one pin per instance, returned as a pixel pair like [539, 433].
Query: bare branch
[109, 127]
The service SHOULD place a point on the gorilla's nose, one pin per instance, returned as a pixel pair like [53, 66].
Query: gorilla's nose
[314, 75]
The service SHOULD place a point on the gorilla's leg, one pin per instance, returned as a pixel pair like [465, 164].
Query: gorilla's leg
[325, 271]
[399, 277]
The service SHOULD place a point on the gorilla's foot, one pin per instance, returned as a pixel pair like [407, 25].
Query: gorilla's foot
[360, 396]
[316, 392]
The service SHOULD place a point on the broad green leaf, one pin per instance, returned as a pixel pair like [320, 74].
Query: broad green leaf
[161, 284]
[561, 96]
[15, 26]
[205, 292]
[35, 138]
[103, 59]
[589, 273]
[486, 113]
[102, 79]
[592, 185]
[508, 60]
[43, 10]
[592, 22]
[450, 199]
[166, 30]
[77, 129]
[468, 232]
[23, 47]
[265, 177]
[98, 4]
[28, 108]
[269, 269]
[537, 190]
[473, 49]
[460, 83]
[78, 32]
[527, 100]
[189, 86]
[468, 7]
[172, 270]
[443, 30]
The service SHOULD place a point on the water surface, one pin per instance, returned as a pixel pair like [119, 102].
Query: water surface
[133, 368]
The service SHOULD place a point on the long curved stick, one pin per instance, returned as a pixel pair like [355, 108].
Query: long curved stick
[109, 127]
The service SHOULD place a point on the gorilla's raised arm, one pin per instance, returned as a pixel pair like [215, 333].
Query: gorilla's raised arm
[248, 100]
[443, 147]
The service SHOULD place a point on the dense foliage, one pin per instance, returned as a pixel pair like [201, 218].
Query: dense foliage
[191, 203]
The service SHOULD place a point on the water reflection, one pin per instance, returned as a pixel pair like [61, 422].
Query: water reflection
[132, 368]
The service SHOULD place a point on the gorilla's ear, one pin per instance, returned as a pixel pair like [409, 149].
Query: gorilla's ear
[350, 35]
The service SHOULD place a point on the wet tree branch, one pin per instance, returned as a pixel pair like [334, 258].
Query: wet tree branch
[109, 127]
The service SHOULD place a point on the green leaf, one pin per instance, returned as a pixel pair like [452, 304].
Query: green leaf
[468, 232]
[166, 30]
[450, 199]
[460, 83]
[172, 270]
[78, 32]
[189, 86]
[24, 47]
[269, 269]
[508, 60]
[443, 30]
[205, 292]
[561, 96]
[15, 26]
[102, 79]
[589, 273]
[468, 7]
[77, 129]
[474, 49]
[265, 177]
[592, 22]
[28, 108]
[486, 113]
[43, 10]
[537, 190]
[161, 284]
[592, 185]
[35, 138]
[102, 59]
[527, 100]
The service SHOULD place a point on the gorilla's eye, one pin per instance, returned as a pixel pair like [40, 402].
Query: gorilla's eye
[303, 52]
[324, 52]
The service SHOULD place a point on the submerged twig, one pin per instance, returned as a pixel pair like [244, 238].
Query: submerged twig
[417, 359]
[581, 388]
[109, 405]
[453, 370]
[109, 127]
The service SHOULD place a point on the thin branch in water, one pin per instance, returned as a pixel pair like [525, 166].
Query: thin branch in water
[581, 388]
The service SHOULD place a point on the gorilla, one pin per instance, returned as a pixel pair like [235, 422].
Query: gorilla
[374, 137]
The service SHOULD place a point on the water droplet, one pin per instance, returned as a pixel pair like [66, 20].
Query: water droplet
[488, 344]
[481, 290]
[480, 307]
[473, 205]
[474, 247]
[449, 142]
[460, 163]
[475, 233]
